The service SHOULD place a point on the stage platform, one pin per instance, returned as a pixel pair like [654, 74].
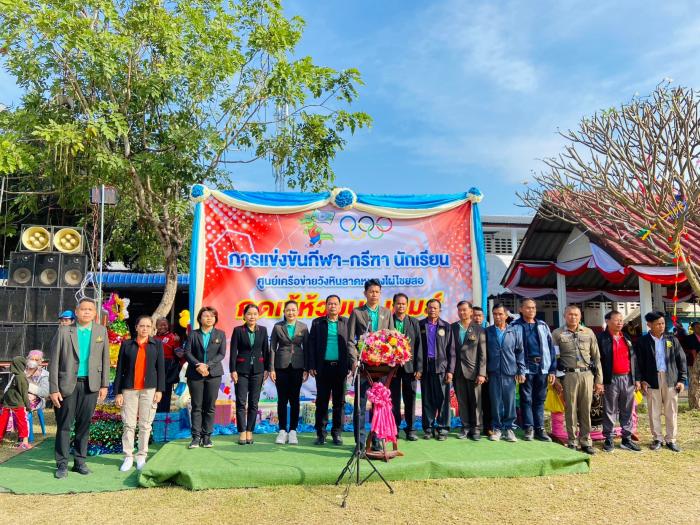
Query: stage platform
[229, 465]
[263, 464]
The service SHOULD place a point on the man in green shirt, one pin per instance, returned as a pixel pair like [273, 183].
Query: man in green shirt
[329, 364]
[404, 383]
[78, 379]
[369, 317]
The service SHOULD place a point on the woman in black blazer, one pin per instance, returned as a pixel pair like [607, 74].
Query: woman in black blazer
[139, 384]
[205, 349]
[249, 365]
[287, 347]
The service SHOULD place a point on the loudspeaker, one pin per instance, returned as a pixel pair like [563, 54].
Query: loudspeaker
[39, 337]
[68, 240]
[46, 269]
[12, 337]
[73, 268]
[21, 269]
[36, 238]
[13, 301]
[43, 305]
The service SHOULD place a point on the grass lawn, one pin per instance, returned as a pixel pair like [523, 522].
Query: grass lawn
[623, 487]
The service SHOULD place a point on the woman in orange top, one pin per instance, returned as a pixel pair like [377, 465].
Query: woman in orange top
[139, 384]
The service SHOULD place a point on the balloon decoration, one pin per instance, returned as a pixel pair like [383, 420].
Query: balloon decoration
[116, 309]
[184, 319]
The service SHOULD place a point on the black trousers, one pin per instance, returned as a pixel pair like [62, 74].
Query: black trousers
[330, 383]
[288, 384]
[404, 385]
[172, 367]
[203, 393]
[247, 391]
[77, 407]
[469, 400]
[435, 400]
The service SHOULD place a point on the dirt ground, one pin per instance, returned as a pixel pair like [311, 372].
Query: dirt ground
[623, 487]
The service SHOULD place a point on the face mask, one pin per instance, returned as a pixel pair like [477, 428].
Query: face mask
[32, 364]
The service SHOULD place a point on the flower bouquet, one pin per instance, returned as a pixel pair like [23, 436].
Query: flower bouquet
[384, 349]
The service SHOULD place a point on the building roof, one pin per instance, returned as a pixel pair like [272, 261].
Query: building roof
[137, 280]
[546, 238]
[518, 221]
[134, 280]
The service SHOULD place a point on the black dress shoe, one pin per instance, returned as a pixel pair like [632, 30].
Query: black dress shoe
[673, 447]
[320, 440]
[628, 444]
[588, 450]
[655, 445]
[61, 472]
[411, 436]
[541, 435]
[337, 440]
[81, 468]
[609, 445]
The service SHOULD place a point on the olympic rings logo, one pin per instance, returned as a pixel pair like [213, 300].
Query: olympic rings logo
[366, 226]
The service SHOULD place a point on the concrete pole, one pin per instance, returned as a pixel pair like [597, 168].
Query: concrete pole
[645, 302]
[561, 297]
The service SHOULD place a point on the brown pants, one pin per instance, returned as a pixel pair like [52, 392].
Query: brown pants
[663, 398]
[578, 395]
[138, 404]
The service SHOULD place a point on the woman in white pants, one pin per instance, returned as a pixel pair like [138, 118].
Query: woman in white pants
[139, 385]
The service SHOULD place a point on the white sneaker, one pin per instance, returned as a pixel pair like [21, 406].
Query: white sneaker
[140, 463]
[126, 466]
[293, 440]
[281, 437]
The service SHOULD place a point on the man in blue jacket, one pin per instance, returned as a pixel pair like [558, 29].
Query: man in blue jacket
[541, 367]
[505, 366]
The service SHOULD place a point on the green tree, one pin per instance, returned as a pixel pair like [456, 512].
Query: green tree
[152, 96]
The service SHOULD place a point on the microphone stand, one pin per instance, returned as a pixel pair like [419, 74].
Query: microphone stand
[352, 467]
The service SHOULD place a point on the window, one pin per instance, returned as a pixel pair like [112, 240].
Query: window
[499, 243]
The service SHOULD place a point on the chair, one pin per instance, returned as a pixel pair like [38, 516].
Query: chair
[30, 421]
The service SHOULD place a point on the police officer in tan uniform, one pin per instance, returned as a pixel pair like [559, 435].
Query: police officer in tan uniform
[579, 369]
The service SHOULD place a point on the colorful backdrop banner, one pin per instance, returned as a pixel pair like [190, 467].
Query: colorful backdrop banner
[267, 248]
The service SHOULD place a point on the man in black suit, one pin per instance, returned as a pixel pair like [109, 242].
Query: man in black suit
[404, 382]
[329, 364]
[662, 370]
[435, 371]
[470, 370]
[78, 380]
[369, 317]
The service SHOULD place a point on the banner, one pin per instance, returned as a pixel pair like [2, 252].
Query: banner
[267, 248]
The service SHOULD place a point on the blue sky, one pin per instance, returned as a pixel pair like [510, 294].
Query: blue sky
[469, 93]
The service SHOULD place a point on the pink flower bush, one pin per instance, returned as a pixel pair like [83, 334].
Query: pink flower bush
[384, 347]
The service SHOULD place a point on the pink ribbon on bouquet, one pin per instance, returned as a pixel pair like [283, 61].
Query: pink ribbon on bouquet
[383, 423]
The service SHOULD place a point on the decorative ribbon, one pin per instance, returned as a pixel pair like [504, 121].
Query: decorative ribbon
[383, 423]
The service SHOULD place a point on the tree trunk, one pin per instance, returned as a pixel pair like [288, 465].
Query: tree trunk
[694, 384]
[693, 280]
[170, 289]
